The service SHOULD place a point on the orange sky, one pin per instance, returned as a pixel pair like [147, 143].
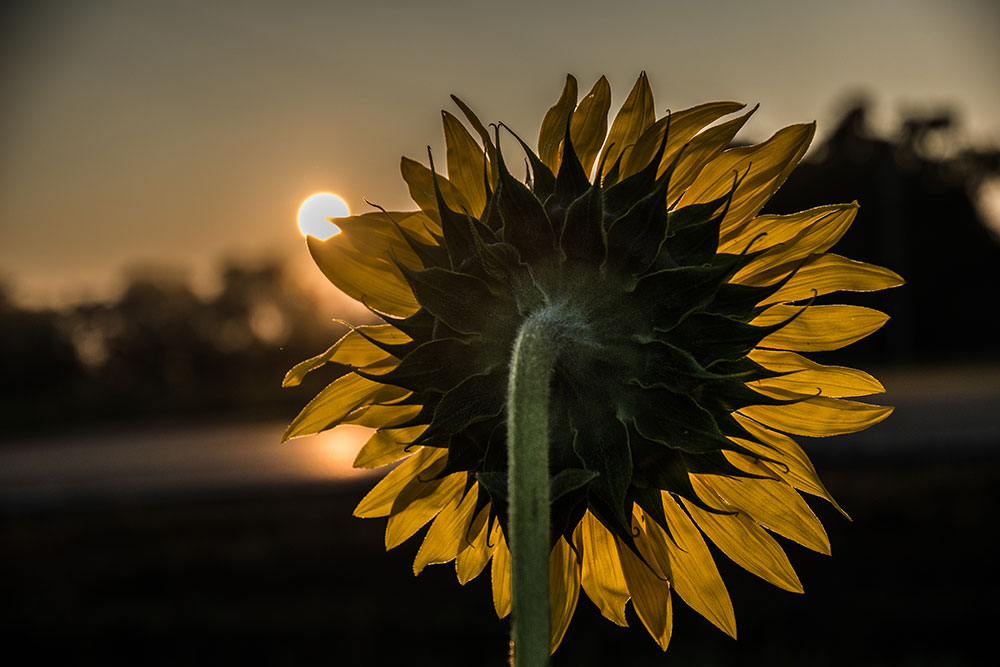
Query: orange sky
[176, 133]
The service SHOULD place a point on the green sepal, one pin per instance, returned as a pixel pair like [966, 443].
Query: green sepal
[571, 180]
[666, 469]
[664, 366]
[711, 338]
[526, 226]
[543, 181]
[464, 454]
[601, 443]
[733, 396]
[669, 296]
[502, 262]
[621, 196]
[418, 326]
[583, 236]
[634, 239]
[693, 232]
[740, 301]
[457, 299]
[677, 421]
[475, 399]
[423, 370]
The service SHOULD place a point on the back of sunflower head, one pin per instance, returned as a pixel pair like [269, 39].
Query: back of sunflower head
[591, 371]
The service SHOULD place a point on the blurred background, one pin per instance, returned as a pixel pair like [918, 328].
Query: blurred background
[154, 288]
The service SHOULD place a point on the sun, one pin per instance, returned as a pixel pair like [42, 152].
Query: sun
[314, 212]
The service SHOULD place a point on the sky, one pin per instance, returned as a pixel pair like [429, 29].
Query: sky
[141, 134]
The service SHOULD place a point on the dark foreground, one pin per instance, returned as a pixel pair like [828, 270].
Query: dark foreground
[287, 577]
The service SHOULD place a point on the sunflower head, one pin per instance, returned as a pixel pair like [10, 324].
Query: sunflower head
[677, 314]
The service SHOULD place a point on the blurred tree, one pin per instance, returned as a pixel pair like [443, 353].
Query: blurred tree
[919, 216]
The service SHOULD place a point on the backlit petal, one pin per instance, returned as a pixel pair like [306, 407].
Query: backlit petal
[601, 569]
[746, 543]
[387, 445]
[650, 596]
[696, 579]
[815, 417]
[637, 113]
[819, 327]
[418, 503]
[564, 590]
[762, 169]
[379, 501]
[473, 558]
[445, 536]
[501, 574]
[807, 377]
[772, 504]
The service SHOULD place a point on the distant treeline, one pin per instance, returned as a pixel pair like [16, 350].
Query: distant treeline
[162, 350]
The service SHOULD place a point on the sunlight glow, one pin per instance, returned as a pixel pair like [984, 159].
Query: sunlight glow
[314, 212]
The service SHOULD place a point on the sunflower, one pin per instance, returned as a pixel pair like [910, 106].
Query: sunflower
[679, 315]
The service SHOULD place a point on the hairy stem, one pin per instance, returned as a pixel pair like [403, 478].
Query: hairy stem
[528, 490]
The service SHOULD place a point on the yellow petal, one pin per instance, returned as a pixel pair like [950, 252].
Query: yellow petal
[772, 504]
[746, 543]
[332, 404]
[553, 130]
[418, 503]
[420, 181]
[828, 273]
[701, 150]
[796, 469]
[817, 416]
[379, 501]
[808, 377]
[466, 163]
[650, 596]
[377, 416]
[684, 125]
[564, 590]
[637, 113]
[501, 573]
[447, 533]
[372, 280]
[601, 569]
[590, 124]
[473, 558]
[789, 240]
[377, 235]
[651, 542]
[387, 445]
[352, 349]
[420, 226]
[695, 577]
[762, 169]
[819, 327]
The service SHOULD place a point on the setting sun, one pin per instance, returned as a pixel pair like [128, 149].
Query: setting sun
[314, 214]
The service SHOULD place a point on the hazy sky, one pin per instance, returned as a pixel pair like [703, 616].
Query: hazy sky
[178, 132]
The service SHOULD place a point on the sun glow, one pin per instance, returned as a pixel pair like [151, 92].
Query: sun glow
[314, 214]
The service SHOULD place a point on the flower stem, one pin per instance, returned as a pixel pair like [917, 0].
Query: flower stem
[528, 490]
